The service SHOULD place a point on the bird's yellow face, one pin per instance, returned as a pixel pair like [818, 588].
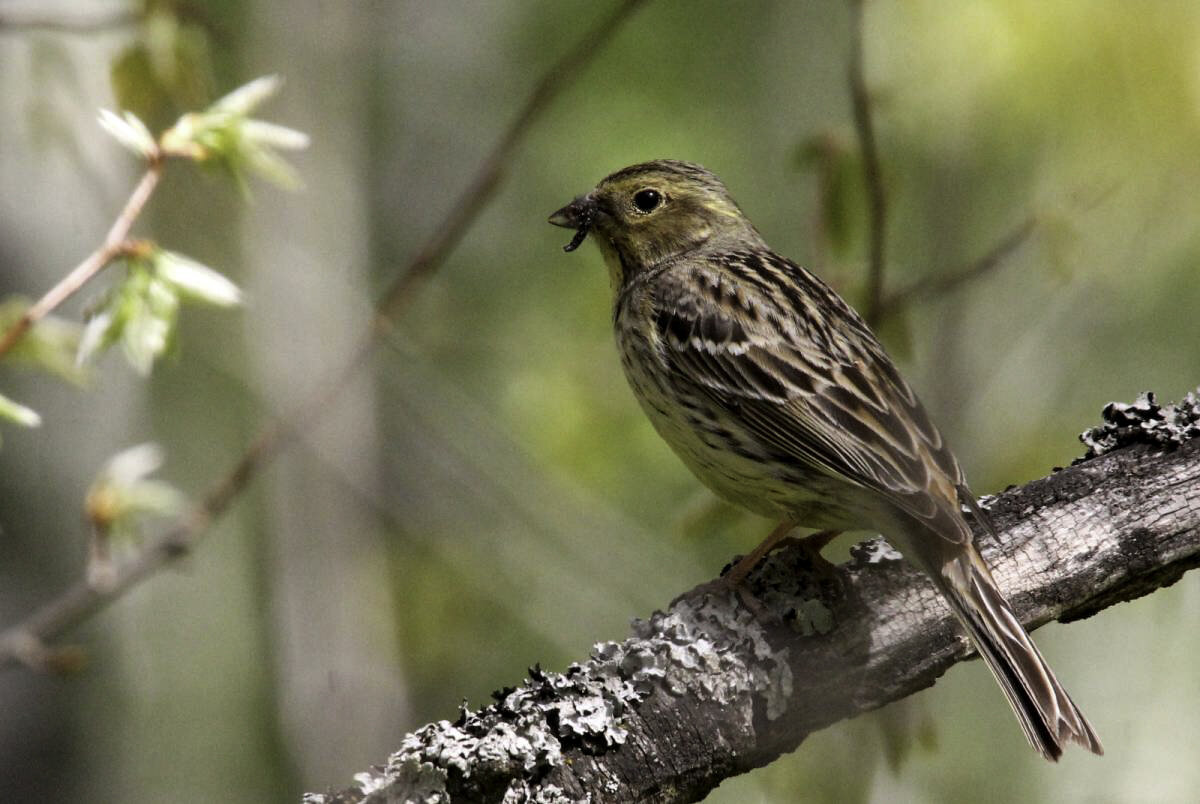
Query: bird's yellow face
[652, 212]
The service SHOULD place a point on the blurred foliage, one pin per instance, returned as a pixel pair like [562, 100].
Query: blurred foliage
[19, 414]
[167, 69]
[118, 502]
[835, 162]
[492, 497]
[50, 346]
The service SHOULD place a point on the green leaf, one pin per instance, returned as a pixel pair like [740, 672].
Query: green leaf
[140, 313]
[16, 412]
[142, 310]
[181, 56]
[100, 332]
[196, 281]
[271, 167]
[136, 86]
[123, 493]
[166, 70]
[150, 324]
[49, 345]
[153, 497]
[130, 132]
[224, 134]
[271, 135]
[248, 97]
[133, 464]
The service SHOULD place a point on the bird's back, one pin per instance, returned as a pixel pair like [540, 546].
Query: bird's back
[775, 393]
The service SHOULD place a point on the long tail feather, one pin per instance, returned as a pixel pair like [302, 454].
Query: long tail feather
[1047, 714]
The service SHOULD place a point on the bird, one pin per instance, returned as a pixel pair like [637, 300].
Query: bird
[777, 395]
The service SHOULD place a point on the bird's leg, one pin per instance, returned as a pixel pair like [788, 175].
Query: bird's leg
[825, 571]
[733, 580]
[749, 561]
[814, 543]
[811, 545]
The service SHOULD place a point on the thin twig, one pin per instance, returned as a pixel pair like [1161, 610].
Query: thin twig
[114, 245]
[68, 23]
[934, 286]
[81, 600]
[872, 172]
[488, 176]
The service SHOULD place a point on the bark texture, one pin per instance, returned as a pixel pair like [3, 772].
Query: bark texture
[705, 690]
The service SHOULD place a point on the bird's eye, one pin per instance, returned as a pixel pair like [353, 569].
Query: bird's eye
[647, 200]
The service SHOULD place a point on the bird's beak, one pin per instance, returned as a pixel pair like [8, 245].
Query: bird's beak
[578, 215]
[569, 216]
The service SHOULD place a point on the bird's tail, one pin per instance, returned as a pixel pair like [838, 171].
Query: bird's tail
[1047, 714]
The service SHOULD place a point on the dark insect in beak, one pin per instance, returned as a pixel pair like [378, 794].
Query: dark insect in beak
[578, 215]
[580, 234]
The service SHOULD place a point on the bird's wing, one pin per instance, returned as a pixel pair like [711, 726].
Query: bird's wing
[791, 361]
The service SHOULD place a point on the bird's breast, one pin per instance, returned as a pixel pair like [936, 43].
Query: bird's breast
[710, 439]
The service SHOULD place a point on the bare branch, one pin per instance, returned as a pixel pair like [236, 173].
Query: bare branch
[487, 178]
[932, 287]
[707, 691]
[872, 171]
[81, 600]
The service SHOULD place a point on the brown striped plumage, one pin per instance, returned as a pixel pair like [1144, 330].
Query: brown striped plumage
[776, 394]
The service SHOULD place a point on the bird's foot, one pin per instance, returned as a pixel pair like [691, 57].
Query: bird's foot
[734, 580]
[723, 587]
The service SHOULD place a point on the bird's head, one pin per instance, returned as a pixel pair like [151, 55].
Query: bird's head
[655, 211]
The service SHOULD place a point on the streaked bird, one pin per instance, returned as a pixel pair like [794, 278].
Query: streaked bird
[777, 395]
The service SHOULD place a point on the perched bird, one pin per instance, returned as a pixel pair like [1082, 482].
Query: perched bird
[776, 394]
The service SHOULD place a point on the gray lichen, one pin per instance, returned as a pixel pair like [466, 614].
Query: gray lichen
[521, 792]
[713, 651]
[1143, 421]
[874, 551]
[704, 648]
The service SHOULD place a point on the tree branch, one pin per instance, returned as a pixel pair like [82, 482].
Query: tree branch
[706, 691]
[934, 286]
[872, 171]
[24, 642]
[487, 178]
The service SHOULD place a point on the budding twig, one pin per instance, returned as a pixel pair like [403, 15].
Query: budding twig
[116, 244]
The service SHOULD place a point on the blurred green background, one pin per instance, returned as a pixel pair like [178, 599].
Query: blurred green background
[488, 494]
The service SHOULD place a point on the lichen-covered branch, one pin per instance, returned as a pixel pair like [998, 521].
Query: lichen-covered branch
[707, 689]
